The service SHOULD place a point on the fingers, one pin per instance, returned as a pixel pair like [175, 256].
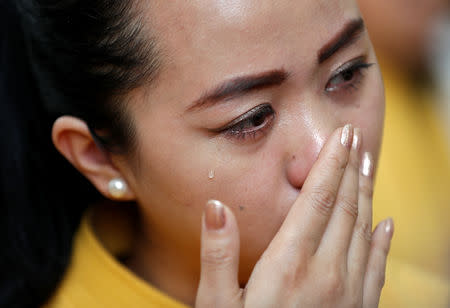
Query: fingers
[360, 246]
[310, 213]
[338, 234]
[219, 285]
[376, 267]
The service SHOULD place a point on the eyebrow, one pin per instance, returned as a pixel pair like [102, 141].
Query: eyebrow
[243, 85]
[349, 34]
[238, 87]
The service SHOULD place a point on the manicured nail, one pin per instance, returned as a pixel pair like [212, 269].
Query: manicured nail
[214, 215]
[346, 135]
[367, 165]
[389, 226]
[356, 139]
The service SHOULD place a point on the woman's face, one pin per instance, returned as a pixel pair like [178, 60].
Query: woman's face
[249, 92]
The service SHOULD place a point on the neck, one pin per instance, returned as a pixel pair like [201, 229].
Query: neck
[173, 269]
[163, 262]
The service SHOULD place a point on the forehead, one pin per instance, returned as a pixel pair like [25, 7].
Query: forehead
[205, 41]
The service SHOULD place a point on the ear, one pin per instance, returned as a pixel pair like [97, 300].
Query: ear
[72, 138]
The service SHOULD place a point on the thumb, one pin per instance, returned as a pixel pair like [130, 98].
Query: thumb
[219, 285]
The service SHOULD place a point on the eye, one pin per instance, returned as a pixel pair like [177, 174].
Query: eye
[251, 124]
[348, 76]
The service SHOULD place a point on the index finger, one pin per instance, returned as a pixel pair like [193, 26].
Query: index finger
[310, 213]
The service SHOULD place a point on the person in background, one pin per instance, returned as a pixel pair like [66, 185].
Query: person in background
[413, 179]
[439, 57]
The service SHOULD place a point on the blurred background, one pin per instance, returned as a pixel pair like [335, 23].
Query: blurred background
[412, 40]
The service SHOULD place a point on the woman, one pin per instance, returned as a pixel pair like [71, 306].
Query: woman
[163, 106]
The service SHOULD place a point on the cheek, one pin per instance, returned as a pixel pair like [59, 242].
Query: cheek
[253, 185]
[173, 172]
[186, 169]
[256, 189]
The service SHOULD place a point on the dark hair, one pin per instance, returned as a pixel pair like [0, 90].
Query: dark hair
[58, 57]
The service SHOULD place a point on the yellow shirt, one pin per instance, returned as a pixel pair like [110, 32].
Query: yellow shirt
[96, 279]
[413, 186]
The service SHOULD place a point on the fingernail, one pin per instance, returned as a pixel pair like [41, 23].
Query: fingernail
[214, 215]
[367, 165]
[356, 139]
[389, 226]
[346, 135]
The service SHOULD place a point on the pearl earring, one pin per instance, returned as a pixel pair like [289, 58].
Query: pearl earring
[117, 188]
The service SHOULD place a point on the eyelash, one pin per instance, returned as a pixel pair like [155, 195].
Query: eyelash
[350, 82]
[255, 122]
[251, 124]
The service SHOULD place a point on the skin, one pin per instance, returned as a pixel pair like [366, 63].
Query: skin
[259, 178]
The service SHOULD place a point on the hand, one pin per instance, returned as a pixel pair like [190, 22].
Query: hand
[324, 255]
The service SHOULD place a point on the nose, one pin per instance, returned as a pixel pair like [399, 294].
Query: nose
[301, 159]
[303, 148]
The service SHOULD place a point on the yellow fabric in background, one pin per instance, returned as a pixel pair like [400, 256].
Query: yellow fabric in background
[413, 186]
[96, 279]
